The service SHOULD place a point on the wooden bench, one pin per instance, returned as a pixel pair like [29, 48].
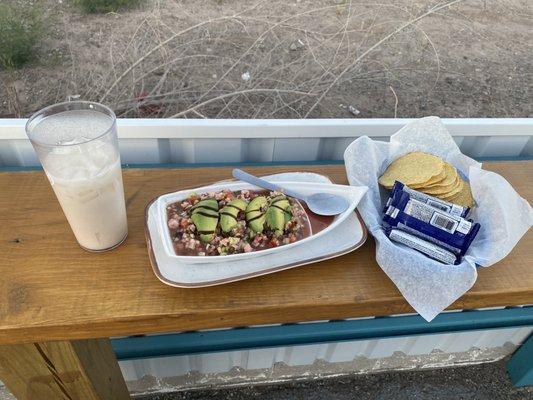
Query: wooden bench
[60, 304]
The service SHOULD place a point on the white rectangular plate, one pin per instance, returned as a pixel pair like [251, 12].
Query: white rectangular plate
[346, 234]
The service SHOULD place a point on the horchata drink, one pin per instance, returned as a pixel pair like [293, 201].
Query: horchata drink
[77, 145]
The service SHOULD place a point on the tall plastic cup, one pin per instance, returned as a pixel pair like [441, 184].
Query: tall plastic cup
[77, 145]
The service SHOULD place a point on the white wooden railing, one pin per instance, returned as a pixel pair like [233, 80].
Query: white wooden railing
[206, 141]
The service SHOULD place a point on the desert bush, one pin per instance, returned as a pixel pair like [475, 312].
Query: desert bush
[105, 6]
[21, 29]
[296, 65]
[265, 61]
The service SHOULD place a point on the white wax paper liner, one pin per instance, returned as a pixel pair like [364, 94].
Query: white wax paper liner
[428, 285]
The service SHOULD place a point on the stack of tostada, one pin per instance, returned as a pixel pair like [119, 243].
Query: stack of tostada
[428, 174]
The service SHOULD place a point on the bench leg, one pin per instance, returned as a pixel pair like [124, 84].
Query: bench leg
[66, 370]
[520, 366]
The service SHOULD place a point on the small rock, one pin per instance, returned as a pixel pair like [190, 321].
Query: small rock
[354, 110]
[299, 44]
[350, 109]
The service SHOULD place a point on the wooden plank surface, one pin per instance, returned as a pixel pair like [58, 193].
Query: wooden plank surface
[80, 369]
[51, 289]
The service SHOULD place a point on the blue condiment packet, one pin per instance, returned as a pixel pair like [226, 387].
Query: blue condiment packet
[450, 208]
[429, 223]
[430, 249]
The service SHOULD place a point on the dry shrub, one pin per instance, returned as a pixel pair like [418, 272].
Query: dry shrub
[248, 65]
[21, 29]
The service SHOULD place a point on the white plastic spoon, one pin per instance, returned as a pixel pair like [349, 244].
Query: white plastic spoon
[319, 203]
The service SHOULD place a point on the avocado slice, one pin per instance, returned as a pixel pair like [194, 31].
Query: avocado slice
[204, 216]
[228, 214]
[210, 204]
[288, 214]
[275, 220]
[206, 211]
[282, 203]
[280, 200]
[255, 213]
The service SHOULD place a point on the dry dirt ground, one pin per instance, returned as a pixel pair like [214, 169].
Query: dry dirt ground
[284, 59]
[477, 382]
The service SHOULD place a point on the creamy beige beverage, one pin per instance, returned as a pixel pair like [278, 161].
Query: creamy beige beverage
[82, 164]
[89, 189]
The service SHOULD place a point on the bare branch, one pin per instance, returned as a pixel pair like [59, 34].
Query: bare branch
[375, 46]
[395, 101]
[250, 91]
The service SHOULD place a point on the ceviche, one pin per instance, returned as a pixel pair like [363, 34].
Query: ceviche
[233, 222]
